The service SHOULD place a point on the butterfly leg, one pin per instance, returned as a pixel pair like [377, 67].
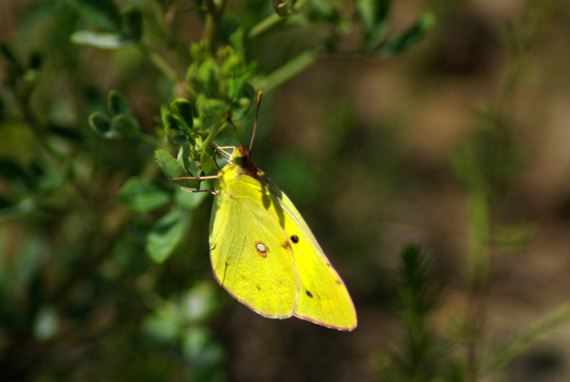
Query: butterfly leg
[199, 178]
[222, 149]
[193, 191]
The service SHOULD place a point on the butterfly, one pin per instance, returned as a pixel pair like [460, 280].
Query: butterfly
[264, 253]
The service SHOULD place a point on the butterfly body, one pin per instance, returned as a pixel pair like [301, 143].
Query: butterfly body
[264, 254]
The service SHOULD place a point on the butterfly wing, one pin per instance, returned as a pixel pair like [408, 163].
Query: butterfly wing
[248, 247]
[323, 297]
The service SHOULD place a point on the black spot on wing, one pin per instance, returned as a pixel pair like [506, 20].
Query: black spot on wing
[295, 239]
[309, 294]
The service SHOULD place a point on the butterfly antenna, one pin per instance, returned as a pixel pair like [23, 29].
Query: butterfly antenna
[255, 123]
[234, 127]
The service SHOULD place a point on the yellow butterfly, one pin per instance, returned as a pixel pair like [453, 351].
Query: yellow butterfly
[264, 254]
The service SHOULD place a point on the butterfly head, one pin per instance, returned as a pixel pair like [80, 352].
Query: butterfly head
[242, 157]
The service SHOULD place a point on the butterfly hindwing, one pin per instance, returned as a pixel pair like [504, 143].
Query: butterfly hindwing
[248, 247]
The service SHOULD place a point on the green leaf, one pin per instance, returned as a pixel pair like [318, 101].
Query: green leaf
[186, 158]
[237, 40]
[101, 13]
[142, 196]
[409, 38]
[207, 162]
[133, 23]
[124, 126]
[373, 15]
[117, 104]
[211, 107]
[321, 10]
[182, 109]
[180, 139]
[237, 82]
[173, 169]
[168, 120]
[169, 166]
[101, 124]
[165, 236]
[208, 71]
[99, 39]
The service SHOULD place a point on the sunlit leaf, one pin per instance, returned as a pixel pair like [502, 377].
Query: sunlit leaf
[173, 169]
[100, 39]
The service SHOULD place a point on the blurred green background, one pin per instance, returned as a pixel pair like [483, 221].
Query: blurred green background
[458, 141]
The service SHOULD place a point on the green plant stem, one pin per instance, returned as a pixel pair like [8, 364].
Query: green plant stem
[212, 25]
[265, 24]
[290, 69]
[270, 21]
[213, 134]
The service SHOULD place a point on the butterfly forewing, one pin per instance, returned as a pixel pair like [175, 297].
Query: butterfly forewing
[248, 247]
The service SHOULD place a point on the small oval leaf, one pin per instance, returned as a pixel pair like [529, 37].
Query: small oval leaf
[100, 123]
[124, 126]
[117, 104]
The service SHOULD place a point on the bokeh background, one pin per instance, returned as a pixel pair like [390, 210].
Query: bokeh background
[460, 144]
